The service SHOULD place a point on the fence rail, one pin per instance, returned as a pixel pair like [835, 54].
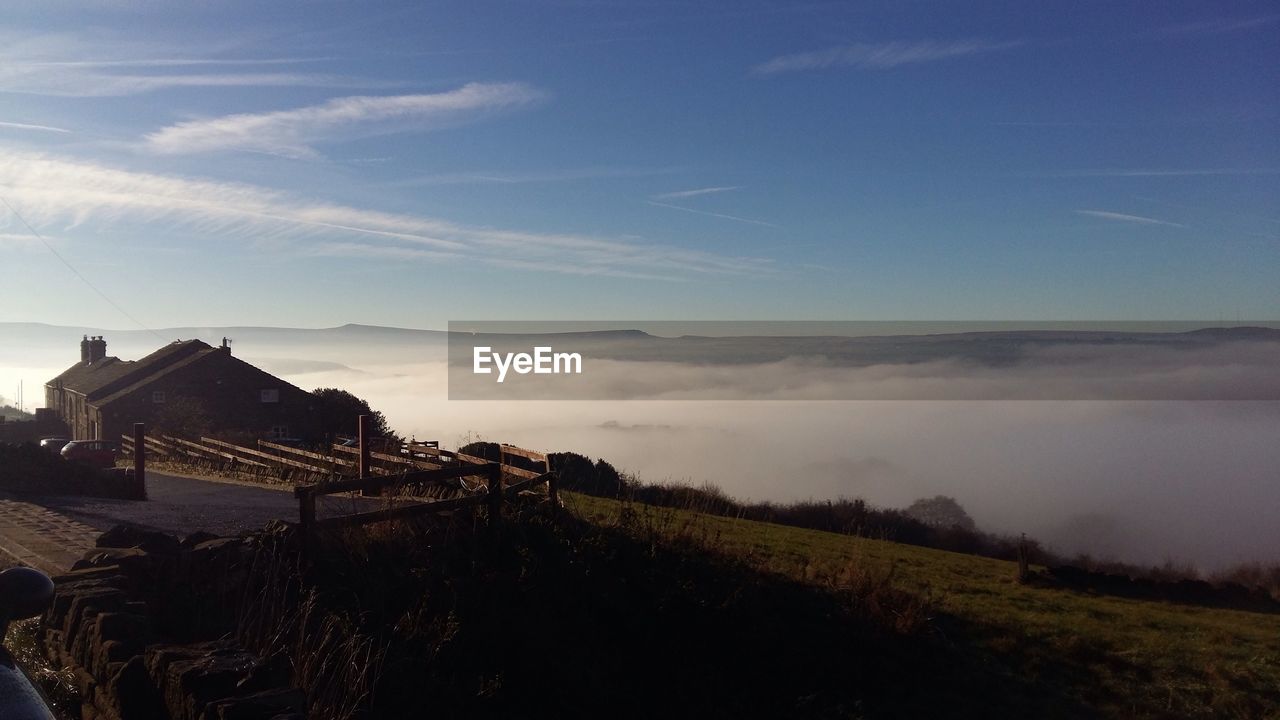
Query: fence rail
[339, 473]
[495, 495]
[334, 461]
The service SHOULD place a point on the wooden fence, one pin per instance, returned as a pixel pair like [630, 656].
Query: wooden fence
[495, 494]
[502, 482]
[416, 465]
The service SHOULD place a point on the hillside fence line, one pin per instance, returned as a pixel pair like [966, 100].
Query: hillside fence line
[402, 473]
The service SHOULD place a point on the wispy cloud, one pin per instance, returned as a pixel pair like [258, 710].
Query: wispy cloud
[39, 128]
[1204, 209]
[521, 177]
[291, 132]
[90, 85]
[1122, 217]
[84, 66]
[82, 80]
[1140, 172]
[722, 216]
[880, 55]
[1052, 124]
[694, 193]
[352, 249]
[1216, 26]
[176, 62]
[54, 192]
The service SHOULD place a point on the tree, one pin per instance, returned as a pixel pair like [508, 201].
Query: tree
[340, 412]
[12, 413]
[941, 511]
[578, 472]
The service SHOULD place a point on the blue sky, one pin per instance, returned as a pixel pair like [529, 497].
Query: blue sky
[312, 164]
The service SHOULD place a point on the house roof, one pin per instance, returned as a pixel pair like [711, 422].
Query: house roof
[109, 375]
[118, 391]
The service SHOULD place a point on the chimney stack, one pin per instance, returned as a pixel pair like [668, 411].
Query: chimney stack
[97, 348]
[84, 349]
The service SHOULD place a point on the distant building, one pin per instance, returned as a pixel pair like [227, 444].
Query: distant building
[101, 397]
[45, 424]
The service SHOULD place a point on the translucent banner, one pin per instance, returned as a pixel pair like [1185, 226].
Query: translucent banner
[821, 360]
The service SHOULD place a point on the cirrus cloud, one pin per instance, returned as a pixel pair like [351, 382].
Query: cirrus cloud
[883, 55]
[1126, 218]
[51, 191]
[292, 132]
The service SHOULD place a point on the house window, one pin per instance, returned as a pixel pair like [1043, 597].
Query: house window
[270, 396]
[157, 397]
[279, 431]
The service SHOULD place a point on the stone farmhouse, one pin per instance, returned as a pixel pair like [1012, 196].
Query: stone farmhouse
[101, 396]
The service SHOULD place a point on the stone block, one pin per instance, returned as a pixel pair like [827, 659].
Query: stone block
[258, 706]
[132, 536]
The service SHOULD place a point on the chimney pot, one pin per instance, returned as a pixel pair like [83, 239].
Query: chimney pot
[97, 348]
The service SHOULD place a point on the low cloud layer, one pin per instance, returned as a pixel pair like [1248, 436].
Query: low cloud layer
[1139, 481]
[1189, 481]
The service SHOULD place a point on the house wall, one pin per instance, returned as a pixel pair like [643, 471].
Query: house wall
[71, 408]
[226, 390]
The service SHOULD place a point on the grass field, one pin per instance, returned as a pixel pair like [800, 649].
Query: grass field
[1104, 656]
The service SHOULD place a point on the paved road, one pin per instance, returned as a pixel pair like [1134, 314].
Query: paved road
[53, 532]
[33, 535]
[183, 505]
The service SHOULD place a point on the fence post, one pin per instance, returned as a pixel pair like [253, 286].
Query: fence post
[307, 517]
[553, 493]
[364, 467]
[495, 494]
[140, 458]
[553, 485]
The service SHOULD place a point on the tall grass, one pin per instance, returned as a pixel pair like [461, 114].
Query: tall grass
[450, 617]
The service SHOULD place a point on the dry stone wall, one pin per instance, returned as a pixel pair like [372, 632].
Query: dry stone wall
[128, 620]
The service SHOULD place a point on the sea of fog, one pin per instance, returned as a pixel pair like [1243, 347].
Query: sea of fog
[1139, 481]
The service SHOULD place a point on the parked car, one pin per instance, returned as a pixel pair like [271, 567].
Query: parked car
[54, 444]
[95, 453]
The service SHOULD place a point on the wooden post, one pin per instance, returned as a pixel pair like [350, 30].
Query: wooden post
[307, 509]
[553, 486]
[140, 457]
[553, 494]
[364, 467]
[307, 518]
[495, 494]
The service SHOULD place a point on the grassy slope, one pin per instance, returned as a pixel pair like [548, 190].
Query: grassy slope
[1118, 657]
